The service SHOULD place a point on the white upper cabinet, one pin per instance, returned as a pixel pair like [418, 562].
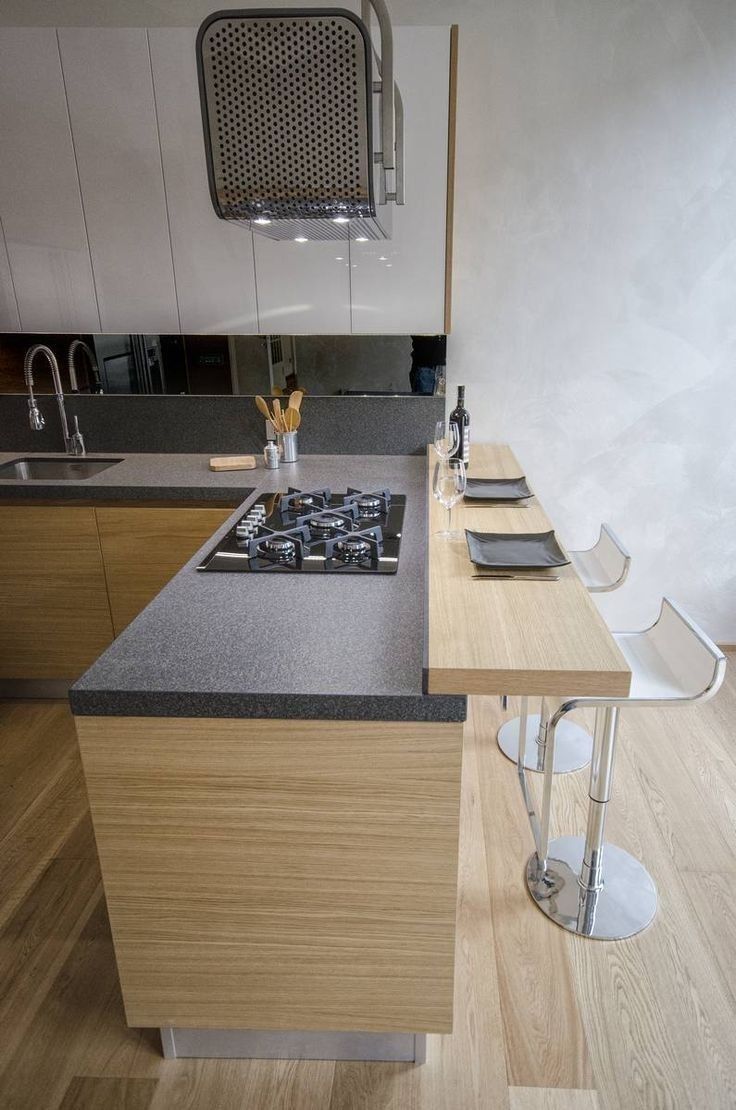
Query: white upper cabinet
[213, 260]
[107, 217]
[107, 72]
[40, 204]
[303, 288]
[398, 284]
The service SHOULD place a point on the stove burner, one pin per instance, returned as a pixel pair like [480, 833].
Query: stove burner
[353, 549]
[278, 549]
[326, 524]
[368, 505]
[303, 502]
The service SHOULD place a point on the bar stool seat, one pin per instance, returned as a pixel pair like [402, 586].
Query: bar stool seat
[586, 886]
[601, 568]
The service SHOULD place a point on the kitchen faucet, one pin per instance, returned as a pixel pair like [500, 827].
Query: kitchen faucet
[74, 443]
[95, 382]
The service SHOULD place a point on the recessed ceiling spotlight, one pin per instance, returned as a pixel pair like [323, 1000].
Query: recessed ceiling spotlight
[341, 219]
[300, 239]
[338, 258]
[382, 258]
[389, 265]
[261, 220]
[362, 239]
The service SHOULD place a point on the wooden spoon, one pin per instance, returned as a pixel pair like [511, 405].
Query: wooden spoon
[295, 399]
[292, 420]
[279, 421]
[263, 408]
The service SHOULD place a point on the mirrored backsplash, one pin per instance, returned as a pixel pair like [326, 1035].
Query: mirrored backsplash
[242, 365]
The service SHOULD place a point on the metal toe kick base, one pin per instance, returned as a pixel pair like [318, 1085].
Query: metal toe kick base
[268, 1044]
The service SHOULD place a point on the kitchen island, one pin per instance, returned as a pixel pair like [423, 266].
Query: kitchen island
[276, 800]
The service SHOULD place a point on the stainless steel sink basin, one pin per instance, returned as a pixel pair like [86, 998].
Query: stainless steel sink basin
[64, 468]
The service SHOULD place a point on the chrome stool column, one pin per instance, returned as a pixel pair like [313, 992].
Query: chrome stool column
[586, 885]
[602, 568]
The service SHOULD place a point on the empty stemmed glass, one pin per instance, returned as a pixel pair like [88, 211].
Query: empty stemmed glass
[446, 438]
[448, 486]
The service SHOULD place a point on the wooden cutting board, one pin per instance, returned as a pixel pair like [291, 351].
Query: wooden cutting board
[233, 462]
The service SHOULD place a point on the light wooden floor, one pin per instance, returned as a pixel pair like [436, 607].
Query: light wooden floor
[544, 1021]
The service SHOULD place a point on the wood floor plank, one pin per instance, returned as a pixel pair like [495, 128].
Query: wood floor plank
[39, 1071]
[467, 1068]
[36, 740]
[39, 834]
[544, 1036]
[245, 1084]
[551, 1098]
[662, 987]
[93, 1093]
[709, 895]
[38, 938]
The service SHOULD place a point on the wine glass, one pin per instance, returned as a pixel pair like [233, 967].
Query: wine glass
[448, 486]
[446, 438]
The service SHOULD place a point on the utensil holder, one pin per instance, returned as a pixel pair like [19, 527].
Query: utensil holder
[288, 447]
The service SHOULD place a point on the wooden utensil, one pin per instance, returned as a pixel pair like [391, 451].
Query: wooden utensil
[295, 399]
[263, 408]
[279, 420]
[291, 419]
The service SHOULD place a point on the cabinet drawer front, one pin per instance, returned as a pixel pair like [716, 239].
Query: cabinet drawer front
[54, 613]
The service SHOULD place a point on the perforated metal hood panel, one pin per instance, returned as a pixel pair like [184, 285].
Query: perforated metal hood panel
[286, 106]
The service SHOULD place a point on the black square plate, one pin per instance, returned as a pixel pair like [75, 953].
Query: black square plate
[523, 549]
[497, 489]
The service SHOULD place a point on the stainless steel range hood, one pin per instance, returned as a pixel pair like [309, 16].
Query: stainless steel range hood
[288, 111]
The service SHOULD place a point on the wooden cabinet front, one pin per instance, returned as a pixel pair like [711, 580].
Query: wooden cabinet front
[144, 548]
[54, 613]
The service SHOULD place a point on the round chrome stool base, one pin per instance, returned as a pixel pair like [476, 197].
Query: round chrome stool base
[624, 905]
[573, 745]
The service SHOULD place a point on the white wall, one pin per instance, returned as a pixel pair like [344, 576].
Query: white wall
[594, 267]
[595, 279]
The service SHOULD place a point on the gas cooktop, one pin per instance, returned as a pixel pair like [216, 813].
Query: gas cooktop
[314, 532]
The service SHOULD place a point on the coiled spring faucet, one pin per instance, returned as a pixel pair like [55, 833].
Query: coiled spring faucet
[74, 443]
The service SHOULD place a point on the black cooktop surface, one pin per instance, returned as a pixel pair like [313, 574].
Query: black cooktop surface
[314, 532]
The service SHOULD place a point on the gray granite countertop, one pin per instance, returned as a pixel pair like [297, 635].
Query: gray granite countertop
[137, 478]
[287, 645]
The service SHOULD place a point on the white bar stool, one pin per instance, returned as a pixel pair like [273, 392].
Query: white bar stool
[602, 568]
[589, 887]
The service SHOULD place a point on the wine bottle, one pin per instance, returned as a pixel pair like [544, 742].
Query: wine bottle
[461, 417]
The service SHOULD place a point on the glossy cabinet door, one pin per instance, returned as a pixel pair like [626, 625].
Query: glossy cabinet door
[142, 550]
[40, 202]
[107, 72]
[398, 285]
[303, 288]
[213, 259]
[54, 613]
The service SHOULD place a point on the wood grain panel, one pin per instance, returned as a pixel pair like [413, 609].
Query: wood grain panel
[144, 548]
[511, 637]
[267, 875]
[54, 615]
[87, 1092]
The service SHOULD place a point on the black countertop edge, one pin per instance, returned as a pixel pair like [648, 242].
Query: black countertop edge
[321, 707]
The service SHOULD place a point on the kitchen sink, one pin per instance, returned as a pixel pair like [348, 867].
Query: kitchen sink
[64, 468]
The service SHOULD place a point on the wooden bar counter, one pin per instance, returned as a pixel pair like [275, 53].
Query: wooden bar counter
[511, 636]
